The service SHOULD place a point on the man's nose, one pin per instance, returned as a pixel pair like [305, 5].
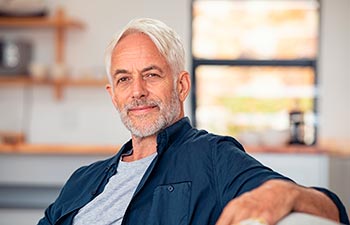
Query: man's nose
[139, 88]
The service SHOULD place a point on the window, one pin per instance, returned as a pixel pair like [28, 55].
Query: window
[253, 63]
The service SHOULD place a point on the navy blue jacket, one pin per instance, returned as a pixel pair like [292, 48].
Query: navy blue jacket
[194, 175]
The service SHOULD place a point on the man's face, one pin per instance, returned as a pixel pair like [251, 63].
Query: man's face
[144, 88]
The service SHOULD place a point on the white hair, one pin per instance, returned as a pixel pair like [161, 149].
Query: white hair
[165, 39]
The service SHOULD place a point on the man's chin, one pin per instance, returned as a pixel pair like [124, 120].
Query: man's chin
[143, 132]
[144, 127]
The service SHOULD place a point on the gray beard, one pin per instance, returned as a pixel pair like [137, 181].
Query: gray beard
[169, 112]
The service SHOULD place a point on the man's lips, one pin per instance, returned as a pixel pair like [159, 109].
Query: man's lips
[142, 109]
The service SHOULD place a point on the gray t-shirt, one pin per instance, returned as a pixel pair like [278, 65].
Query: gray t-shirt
[109, 207]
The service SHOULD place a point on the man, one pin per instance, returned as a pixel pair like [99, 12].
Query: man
[170, 173]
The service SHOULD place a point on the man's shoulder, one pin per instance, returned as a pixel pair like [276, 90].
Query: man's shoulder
[211, 140]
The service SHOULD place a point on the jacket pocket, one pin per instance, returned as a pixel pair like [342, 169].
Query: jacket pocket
[170, 204]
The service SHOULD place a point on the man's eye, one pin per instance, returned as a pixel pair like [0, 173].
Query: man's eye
[122, 79]
[149, 75]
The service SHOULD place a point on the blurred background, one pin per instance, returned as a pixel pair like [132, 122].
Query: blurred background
[272, 73]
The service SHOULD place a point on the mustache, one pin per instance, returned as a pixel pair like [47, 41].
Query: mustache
[141, 102]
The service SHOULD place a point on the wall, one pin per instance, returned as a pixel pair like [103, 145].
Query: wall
[334, 72]
[334, 89]
[85, 115]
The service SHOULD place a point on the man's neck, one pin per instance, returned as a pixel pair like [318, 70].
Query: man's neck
[142, 147]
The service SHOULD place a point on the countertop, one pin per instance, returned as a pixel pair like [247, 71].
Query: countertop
[324, 146]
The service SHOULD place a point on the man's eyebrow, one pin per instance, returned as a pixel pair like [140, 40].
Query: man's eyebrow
[152, 67]
[119, 71]
[148, 68]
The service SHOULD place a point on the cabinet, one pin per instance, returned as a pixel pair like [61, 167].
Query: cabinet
[60, 23]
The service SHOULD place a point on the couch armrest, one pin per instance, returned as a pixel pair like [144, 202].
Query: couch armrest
[305, 219]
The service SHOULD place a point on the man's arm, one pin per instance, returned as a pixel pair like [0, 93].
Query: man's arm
[275, 199]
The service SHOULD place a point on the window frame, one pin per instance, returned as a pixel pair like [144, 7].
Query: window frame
[306, 62]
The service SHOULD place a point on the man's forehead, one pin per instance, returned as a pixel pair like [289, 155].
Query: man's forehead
[134, 40]
[137, 52]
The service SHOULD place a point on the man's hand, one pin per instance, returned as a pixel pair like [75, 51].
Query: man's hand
[275, 199]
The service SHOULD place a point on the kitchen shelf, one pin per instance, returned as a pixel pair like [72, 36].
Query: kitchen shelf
[58, 84]
[59, 22]
[60, 149]
[26, 80]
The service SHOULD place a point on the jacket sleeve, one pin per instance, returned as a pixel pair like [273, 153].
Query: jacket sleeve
[236, 171]
[341, 208]
[47, 218]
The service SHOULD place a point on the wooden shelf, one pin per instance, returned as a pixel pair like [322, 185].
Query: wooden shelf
[67, 149]
[59, 149]
[58, 85]
[110, 150]
[37, 22]
[26, 80]
[284, 149]
[59, 22]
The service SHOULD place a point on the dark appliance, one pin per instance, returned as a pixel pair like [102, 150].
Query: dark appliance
[15, 57]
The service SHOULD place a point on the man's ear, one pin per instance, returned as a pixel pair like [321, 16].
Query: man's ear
[109, 89]
[183, 85]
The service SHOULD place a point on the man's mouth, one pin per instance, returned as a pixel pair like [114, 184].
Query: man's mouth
[142, 109]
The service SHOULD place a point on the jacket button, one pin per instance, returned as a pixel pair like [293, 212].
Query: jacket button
[170, 188]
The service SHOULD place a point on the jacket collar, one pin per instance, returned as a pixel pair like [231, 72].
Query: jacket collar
[114, 160]
[172, 133]
[164, 139]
